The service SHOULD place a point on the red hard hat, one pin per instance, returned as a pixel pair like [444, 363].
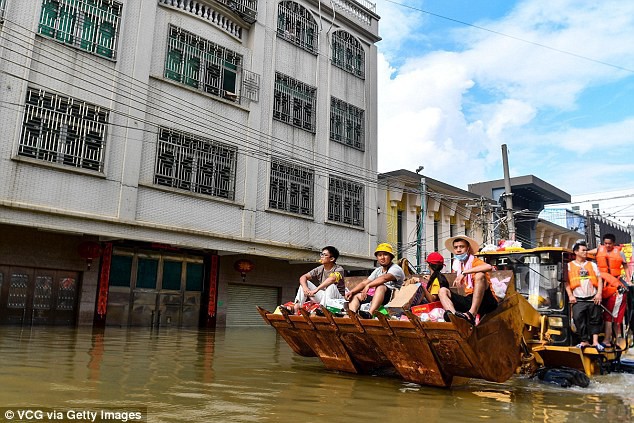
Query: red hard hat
[435, 258]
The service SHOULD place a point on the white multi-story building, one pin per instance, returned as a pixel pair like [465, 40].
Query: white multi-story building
[175, 162]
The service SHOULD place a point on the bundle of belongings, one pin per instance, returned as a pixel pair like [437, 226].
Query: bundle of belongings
[411, 297]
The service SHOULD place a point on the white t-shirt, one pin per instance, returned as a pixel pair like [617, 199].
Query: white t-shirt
[586, 289]
[394, 270]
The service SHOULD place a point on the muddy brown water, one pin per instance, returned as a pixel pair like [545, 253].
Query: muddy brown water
[251, 375]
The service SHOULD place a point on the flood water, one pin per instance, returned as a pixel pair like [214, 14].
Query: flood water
[251, 375]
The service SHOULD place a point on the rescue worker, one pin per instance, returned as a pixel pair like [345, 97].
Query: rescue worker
[611, 262]
[378, 288]
[584, 287]
[473, 275]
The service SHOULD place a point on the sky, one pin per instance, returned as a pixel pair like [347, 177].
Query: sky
[551, 79]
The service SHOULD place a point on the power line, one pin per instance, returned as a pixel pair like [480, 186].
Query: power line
[513, 37]
[227, 131]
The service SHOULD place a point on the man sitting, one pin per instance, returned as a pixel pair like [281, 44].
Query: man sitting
[473, 274]
[323, 283]
[377, 289]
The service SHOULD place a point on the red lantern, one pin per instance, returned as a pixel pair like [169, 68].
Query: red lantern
[89, 250]
[243, 266]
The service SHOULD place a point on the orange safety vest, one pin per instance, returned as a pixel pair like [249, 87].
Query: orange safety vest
[477, 262]
[610, 262]
[610, 285]
[574, 275]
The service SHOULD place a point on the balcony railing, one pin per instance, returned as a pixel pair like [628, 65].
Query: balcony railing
[204, 11]
[247, 9]
[357, 8]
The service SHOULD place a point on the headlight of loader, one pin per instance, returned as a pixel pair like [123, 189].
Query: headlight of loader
[556, 322]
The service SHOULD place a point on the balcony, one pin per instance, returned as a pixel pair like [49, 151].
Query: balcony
[246, 9]
[361, 10]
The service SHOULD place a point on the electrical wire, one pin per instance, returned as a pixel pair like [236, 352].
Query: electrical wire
[513, 37]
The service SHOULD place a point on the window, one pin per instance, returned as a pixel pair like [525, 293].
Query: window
[172, 271]
[345, 201]
[147, 272]
[120, 270]
[63, 130]
[194, 277]
[292, 188]
[92, 25]
[43, 292]
[18, 290]
[294, 102]
[202, 65]
[348, 54]
[195, 164]
[67, 293]
[296, 25]
[347, 124]
[2, 6]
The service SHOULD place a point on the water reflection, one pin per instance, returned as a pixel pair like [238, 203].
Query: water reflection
[250, 375]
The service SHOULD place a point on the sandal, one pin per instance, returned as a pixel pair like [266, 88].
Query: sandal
[364, 314]
[599, 347]
[467, 316]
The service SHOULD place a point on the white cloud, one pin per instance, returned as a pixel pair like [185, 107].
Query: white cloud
[397, 25]
[450, 111]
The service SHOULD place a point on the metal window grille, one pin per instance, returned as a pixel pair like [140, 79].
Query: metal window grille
[18, 290]
[345, 201]
[195, 164]
[43, 292]
[297, 25]
[292, 188]
[247, 9]
[66, 294]
[347, 124]
[294, 102]
[250, 85]
[63, 130]
[205, 65]
[348, 54]
[92, 25]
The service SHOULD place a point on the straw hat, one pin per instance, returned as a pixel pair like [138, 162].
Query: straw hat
[475, 245]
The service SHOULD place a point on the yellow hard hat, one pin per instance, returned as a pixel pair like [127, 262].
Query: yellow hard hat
[386, 248]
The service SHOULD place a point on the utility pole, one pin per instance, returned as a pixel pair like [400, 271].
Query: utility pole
[508, 195]
[480, 220]
[421, 236]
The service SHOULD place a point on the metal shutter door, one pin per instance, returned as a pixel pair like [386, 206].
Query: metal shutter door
[242, 300]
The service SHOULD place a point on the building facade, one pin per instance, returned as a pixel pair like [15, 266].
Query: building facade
[560, 228]
[530, 195]
[446, 211]
[175, 162]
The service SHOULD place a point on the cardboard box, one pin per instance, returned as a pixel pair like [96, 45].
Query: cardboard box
[404, 297]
